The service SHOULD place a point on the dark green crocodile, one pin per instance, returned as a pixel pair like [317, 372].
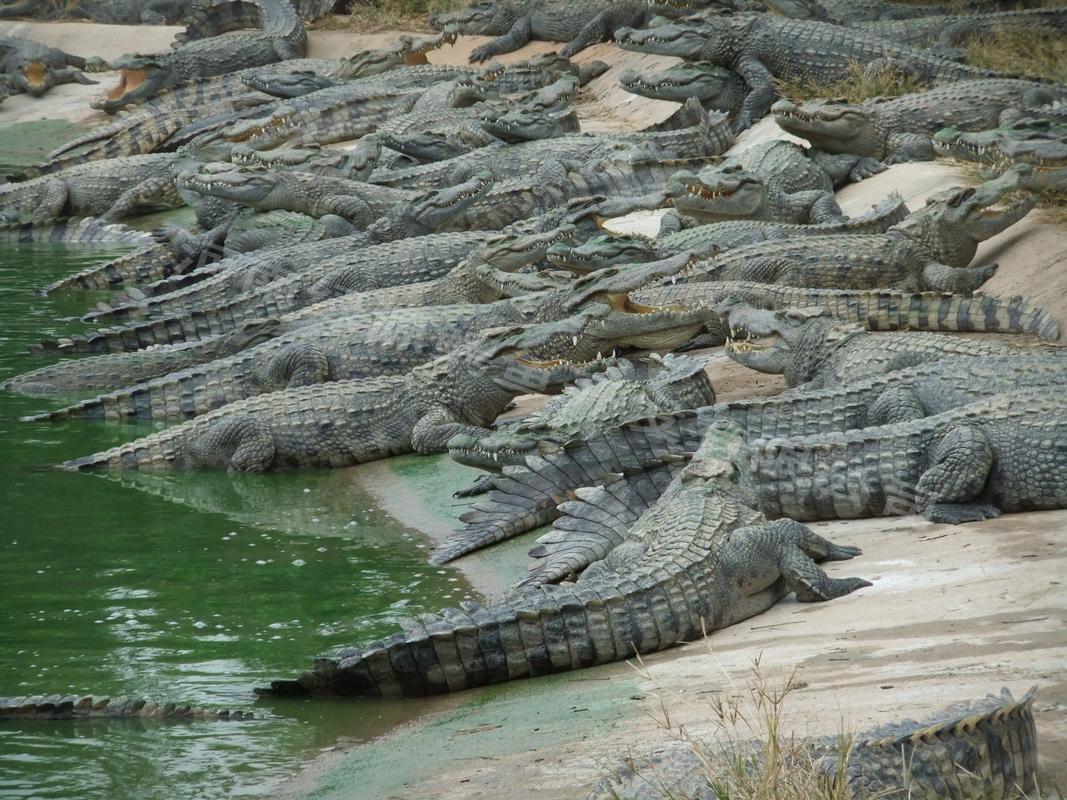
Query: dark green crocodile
[777, 181]
[31, 67]
[352, 422]
[672, 589]
[715, 87]
[984, 749]
[929, 250]
[109, 190]
[899, 129]
[947, 33]
[763, 48]
[42, 708]
[281, 36]
[84, 230]
[355, 164]
[1039, 144]
[851, 11]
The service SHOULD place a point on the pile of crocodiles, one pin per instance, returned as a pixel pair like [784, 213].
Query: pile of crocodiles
[332, 306]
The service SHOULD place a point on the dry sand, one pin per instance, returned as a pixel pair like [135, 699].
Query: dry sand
[954, 612]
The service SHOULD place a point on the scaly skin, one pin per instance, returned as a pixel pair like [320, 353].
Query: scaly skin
[776, 181]
[1039, 144]
[33, 68]
[625, 391]
[984, 749]
[930, 250]
[110, 190]
[899, 129]
[550, 476]
[322, 347]
[82, 231]
[851, 11]
[950, 31]
[354, 165]
[352, 422]
[715, 87]
[516, 22]
[43, 708]
[280, 36]
[672, 589]
[762, 48]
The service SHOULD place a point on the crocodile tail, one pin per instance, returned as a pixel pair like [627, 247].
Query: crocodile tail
[159, 450]
[147, 263]
[56, 707]
[594, 522]
[880, 218]
[527, 497]
[994, 743]
[891, 310]
[85, 230]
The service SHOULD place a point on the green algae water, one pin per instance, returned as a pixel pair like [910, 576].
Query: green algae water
[190, 587]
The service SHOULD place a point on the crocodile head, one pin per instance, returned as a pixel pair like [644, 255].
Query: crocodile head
[954, 221]
[140, 78]
[527, 124]
[1041, 145]
[682, 38]
[512, 251]
[718, 193]
[485, 18]
[703, 80]
[833, 126]
[405, 50]
[263, 132]
[600, 252]
[288, 84]
[430, 211]
[765, 340]
[428, 146]
[251, 186]
[35, 77]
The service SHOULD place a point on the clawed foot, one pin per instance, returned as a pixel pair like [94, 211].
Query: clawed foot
[480, 486]
[843, 552]
[865, 168]
[958, 513]
[480, 54]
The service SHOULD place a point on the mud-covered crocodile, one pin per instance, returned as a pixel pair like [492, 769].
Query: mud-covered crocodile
[986, 748]
[763, 48]
[899, 129]
[929, 250]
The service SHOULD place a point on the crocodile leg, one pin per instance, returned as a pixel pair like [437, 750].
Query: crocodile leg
[242, 444]
[432, 432]
[761, 92]
[941, 277]
[960, 465]
[299, 364]
[148, 194]
[515, 38]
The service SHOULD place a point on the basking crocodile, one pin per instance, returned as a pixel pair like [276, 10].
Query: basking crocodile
[627, 390]
[984, 749]
[831, 351]
[763, 48]
[777, 181]
[516, 22]
[929, 250]
[352, 422]
[899, 128]
[338, 344]
[33, 68]
[281, 35]
[109, 190]
[41, 708]
[355, 164]
[1036, 143]
[673, 588]
[715, 87]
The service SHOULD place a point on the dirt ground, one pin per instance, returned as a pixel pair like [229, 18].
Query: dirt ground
[953, 613]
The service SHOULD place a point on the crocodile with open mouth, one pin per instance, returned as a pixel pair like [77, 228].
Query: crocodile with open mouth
[716, 88]
[899, 128]
[1040, 144]
[31, 67]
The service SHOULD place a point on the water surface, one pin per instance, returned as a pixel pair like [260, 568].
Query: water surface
[188, 587]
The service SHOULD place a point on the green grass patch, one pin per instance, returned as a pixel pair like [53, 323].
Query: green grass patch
[855, 85]
[1021, 52]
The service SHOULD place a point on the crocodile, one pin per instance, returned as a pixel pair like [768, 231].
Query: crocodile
[1040, 145]
[551, 475]
[84, 230]
[777, 180]
[355, 164]
[281, 296]
[947, 33]
[899, 129]
[343, 345]
[672, 589]
[126, 12]
[33, 68]
[42, 708]
[580, 536]
[929, 250]
[627, 390]
[716, 237]
[281, 36]
[717, 88]
[986, 748]
[353, 422]
[852, 11]
[109, 190]
[516, 22]
[763, 48]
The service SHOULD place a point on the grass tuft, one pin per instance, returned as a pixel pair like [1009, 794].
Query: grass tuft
[855, 86]
[1023, 53]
